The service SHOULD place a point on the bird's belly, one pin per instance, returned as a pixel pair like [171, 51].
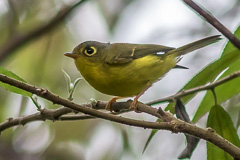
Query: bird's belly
[128, 79]
[116, 82]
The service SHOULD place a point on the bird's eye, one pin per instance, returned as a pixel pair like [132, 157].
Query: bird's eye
[90, 51]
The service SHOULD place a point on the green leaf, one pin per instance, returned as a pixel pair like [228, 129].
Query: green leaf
[68, 80]
[221, 122]
[230, 47]
[230, 55]
[154, 131]
[209, 73]
[238, 120]
[227, 90]
[75, 83]
[125, 140]
[35, 102]
[12, 88]
[70, 86]
[223, 92]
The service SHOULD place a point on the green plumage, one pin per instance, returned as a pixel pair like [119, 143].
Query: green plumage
[124, 69]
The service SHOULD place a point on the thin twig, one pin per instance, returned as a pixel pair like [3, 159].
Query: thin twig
[75, 117]
[184, 93]
[214, 22]
[214, 95]
[49, 114]
[45, 114]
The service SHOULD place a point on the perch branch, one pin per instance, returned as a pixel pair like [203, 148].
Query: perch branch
[172, 124]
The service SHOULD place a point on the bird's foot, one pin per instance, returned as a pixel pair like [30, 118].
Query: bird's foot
[108, 106]
[133, 106]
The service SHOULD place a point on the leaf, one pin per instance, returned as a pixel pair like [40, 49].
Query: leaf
[209, 73]
[125, 139]
[154, 131]
[192, 141]
[181, 112]
[70, 86]
[221, 122]
[75, 83]
[227, 90]
[238, 120]
[68, 80]
[230, 55]
[230, 47]
[12, 88]
[223, 92]
[35, 102]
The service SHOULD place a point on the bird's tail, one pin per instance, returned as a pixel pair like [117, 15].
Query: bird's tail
[194, 46]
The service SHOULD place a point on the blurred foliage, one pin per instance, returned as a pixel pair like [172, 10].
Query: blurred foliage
[40, 62]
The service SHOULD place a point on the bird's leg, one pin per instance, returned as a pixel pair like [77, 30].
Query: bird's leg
[114, 99]
[133, 104]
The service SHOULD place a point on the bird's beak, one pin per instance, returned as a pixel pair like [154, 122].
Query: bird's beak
[71, 55]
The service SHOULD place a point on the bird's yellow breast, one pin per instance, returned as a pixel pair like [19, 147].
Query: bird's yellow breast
[127, 79]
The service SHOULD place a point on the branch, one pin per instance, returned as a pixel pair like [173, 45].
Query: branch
[45, 114]
[40, 116]
[19, 39]
[172, 124]
[49, 114]
[214, 22]
[184, 93]
[80, 108]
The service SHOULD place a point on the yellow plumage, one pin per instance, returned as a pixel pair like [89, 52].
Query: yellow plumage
[122, 80]
[127, 70]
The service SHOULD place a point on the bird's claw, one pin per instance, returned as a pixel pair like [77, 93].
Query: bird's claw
[134, 107]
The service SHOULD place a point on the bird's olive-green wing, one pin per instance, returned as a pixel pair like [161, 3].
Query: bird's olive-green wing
[119, 53]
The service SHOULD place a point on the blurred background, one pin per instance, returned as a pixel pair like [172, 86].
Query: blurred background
[34, 36]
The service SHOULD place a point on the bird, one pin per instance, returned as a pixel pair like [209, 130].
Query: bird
[128, 70]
